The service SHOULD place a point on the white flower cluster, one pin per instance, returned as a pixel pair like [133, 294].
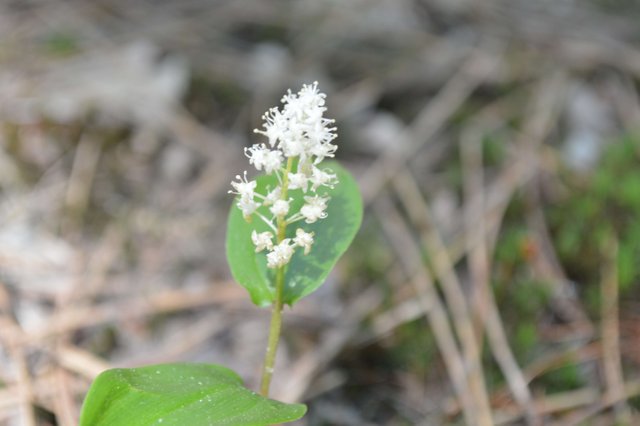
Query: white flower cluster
[299, 138]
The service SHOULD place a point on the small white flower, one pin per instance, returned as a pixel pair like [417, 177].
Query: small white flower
[280, 255]
[256, 154]
[314, 208]
[303, 239]
[323, 150]
[275, 124]
[321, 177]
[273, 196]
[298, 181]
[244, 188]
[280, 208]
[248, 206]
[262, 240]
[273, 161]
[320, 133]
[293, 145]
[262, 157]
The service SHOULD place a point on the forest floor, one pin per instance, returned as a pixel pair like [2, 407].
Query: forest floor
[497, 147]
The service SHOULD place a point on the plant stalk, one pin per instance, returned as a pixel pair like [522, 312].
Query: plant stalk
[274, 335]
[275, 326]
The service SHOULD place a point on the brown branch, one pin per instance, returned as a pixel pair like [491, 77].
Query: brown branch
[456, 301]
[80, 317]
[611, 358]
[429, 121]
[408, 253]
[479, 266]
[570, 400]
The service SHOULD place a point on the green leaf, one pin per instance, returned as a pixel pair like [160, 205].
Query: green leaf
[179, 395]
[304, 274]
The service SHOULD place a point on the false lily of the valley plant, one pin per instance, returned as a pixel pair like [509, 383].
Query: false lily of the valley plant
[292, 223]
[287, 229]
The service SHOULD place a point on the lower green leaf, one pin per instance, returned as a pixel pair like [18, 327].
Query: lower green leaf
[179, 395]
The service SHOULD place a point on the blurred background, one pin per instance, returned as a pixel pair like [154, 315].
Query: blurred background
[496, 277]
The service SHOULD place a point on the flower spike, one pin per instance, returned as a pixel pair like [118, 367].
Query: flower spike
[299, 137]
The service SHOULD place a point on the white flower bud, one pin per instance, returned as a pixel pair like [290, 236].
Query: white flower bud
[273, 196]
[280, 208]
[303, 239]
[248, 206]
[298, 181]
[262, 240]
[280, 255]
[314, 208]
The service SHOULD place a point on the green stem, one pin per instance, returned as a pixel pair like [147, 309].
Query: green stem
[276, 314]
[274, 335]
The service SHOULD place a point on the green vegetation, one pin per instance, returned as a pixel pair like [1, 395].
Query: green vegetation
[597, 209]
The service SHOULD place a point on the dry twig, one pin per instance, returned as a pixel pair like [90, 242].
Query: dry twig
[480, 270]
[429, 121]
[409, 254]
[455, 299]
[611, 357]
